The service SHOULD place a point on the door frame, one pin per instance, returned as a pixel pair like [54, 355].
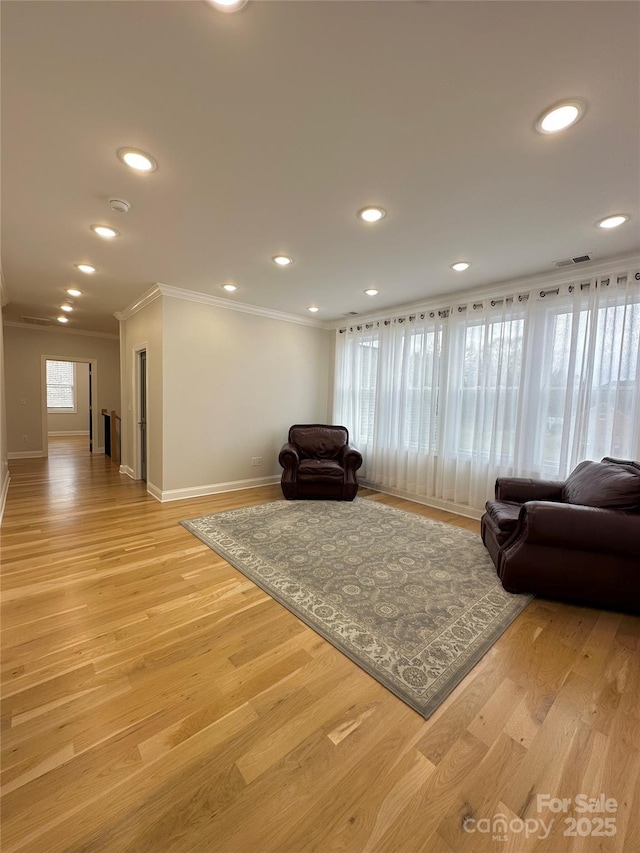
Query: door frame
[135, 392]
[95, 414]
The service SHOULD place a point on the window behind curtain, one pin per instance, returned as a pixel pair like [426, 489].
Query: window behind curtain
[512, 387]
[61, 386]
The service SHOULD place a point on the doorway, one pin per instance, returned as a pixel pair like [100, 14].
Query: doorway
[84, 403]
[142, 413]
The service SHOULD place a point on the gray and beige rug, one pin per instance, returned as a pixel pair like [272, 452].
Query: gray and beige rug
[414, 602]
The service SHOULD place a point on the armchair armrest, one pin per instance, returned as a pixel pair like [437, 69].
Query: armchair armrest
[350, 457]
[521, 489]
[580, 528]
[289, 457]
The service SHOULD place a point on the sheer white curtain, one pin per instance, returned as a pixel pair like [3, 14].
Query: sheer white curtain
[482, 422]
[441, 403]
[405, 436]
[355, 386]
[586, 360]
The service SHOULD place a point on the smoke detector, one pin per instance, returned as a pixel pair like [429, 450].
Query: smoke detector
[120, 205]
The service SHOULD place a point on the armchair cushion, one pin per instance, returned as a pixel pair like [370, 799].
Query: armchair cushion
[608, 484]
[309, 469]
[317, 441]
[504, 515]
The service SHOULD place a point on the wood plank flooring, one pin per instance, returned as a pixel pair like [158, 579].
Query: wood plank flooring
[154, 699]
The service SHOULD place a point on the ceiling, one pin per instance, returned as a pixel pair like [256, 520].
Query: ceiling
[273, 126]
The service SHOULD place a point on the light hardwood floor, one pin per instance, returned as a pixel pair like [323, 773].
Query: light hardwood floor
[156, 700]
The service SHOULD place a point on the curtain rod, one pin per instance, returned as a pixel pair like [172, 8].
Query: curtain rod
[445, 312]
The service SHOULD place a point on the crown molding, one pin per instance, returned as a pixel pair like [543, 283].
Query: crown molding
[587, 270]
[206, 299]
[147, 298]
[243, 307]
[56, 331]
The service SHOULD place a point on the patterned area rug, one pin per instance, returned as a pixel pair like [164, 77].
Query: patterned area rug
[414, 602]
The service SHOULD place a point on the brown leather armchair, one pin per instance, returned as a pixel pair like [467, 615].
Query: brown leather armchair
[319, 463]
[577, 540]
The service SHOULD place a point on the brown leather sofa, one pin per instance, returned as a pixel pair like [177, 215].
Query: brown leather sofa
[319, 463]
[577, 540]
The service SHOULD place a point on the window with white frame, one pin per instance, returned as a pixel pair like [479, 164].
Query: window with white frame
[61, 387]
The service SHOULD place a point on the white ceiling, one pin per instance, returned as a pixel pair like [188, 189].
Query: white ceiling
[273, 126]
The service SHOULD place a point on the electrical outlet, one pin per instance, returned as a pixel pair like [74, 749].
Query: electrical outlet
[255, 461]
[25, 438]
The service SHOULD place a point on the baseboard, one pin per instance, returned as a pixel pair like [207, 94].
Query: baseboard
[3, 493]
[71, 432]
[125, 469]
[211, 489]
[99, 450]
[434, 503]
[155, 492]
[25, 454]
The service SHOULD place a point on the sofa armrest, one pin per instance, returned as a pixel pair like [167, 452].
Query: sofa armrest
[521, 489]
[580, 528]
[350, 457]
[289, 456]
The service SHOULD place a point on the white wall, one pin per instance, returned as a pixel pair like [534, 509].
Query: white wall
[23, 350]
[143, 330]
[78, 421]
[223, 386]
[233, 385]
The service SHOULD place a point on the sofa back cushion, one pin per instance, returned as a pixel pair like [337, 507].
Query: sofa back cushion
[318, 441]
[608, 484]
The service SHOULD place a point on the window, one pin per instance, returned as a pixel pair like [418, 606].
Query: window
[61, 387]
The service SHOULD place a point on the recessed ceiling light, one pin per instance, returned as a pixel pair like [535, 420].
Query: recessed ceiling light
[460, 266]
[73, 292]
[63, 319]
[371, 291]
[560, 116]
[613, 221]
[86, 268]
[66, 307]
[229, 287]
[138, 160]
[105, 231]
[371, 214]
[282, 260]
[313, 309]
[227, 5]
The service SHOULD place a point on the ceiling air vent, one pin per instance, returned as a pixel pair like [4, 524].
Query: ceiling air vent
[351, 314]
[36, 321]
[569, 262]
